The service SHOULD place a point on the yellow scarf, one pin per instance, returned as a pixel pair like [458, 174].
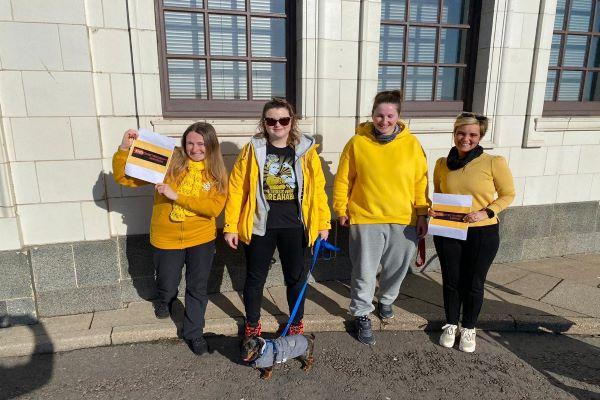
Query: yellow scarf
[191, 185]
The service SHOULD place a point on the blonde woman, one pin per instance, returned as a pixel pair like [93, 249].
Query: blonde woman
[276, 200]
[183, 229]
[465, 263]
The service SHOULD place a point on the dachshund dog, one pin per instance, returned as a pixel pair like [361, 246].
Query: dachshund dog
[263, 354]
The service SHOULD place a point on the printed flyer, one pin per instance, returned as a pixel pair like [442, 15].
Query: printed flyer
[149, 156]
[451, 209]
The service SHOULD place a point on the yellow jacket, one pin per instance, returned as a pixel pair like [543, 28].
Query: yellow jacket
[166, 234]
[380, 183]
[246, 208]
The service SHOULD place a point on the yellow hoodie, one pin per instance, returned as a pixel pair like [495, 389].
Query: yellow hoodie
[165, 233]
[379, 183]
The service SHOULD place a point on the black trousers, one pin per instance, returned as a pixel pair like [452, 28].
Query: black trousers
[198, 263]
[291, 244]
[465, 264]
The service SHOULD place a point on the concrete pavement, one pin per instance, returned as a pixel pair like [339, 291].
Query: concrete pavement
[559, 294]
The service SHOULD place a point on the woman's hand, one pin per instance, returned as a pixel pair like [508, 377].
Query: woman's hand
[421, 226]
[232, 240]
[166, 191]
[431, 212]
[344, 221]
[324, 234]
[475, 216]
[128, 139]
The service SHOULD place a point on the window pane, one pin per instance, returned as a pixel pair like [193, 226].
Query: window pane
[227, 35]
[268, 37]
[591, 90]
[594, 54]
[452, 46]
[183, 3]
[550, 85]
[568, 89]
[390, 78]
[596, 27]
[187, 79]
[560, 15]
[184, 33]
[455, 12]
[227, 4]
[419, 83]
[229, 80]
[575, 51]
[391, 45]
[393, 9]
[421, 44]
[449, 84]
[581, 11]
[424, 10]
[555, 50]
[268, 6]
[268, 80]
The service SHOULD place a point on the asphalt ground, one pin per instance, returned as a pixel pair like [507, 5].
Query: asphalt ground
[402, 365]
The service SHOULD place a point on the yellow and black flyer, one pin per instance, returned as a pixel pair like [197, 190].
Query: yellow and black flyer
[149, 156]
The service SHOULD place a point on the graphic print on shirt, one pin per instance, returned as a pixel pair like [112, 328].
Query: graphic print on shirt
[280, 179]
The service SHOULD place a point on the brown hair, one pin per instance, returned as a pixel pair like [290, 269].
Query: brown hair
[469, 118]
[278, 102]
[214, 165]
[388, 96]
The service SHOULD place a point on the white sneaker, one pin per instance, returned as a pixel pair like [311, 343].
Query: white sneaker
[448, 335]
[467, 340]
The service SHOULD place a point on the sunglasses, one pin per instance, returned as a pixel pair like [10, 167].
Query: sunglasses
[282, 121]
[473, 115]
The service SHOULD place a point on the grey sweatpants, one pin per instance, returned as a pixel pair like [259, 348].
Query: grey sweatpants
[391, 245]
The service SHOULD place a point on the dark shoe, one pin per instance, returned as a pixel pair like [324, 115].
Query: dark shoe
[364, 332]
[198, 345]
[161, 310]
[386, 311]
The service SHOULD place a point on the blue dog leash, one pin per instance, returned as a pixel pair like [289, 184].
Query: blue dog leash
[319, 245]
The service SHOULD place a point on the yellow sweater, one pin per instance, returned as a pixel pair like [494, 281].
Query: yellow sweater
[381, 183]
[482, 178]
[166, 234]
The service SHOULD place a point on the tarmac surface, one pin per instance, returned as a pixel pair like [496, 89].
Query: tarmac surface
[409, 365]
[560, 295]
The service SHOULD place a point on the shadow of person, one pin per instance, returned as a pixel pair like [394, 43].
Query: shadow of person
[20, 377]
[564, 361]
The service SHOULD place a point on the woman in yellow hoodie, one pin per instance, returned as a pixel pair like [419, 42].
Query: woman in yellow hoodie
[277, 200]
[183, 229]
[380, 192]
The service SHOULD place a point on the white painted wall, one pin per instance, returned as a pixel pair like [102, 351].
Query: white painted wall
[67, 95]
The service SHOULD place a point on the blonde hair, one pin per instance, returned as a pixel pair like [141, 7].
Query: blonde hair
[213, 161]
[277, 102]
[470, 118]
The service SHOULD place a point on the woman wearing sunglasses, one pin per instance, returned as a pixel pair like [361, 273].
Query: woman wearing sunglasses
[276, 200]
[465, 263]
[380, 192]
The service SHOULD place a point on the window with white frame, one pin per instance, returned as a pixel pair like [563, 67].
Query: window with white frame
[219, 53]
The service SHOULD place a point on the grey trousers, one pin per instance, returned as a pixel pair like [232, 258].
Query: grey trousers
[391, 245]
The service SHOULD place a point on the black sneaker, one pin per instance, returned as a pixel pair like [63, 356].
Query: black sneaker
[161, 310]
[386, 311]
[198, 345]
[364, 332]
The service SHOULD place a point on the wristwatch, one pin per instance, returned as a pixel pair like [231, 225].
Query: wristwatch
[490, 213]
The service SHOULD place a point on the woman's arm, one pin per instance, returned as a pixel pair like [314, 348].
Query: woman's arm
[504, 184]
[421, 190]
[238, 188]
[321, 195]
[120, 159]
[209, 204]
[343, 182]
